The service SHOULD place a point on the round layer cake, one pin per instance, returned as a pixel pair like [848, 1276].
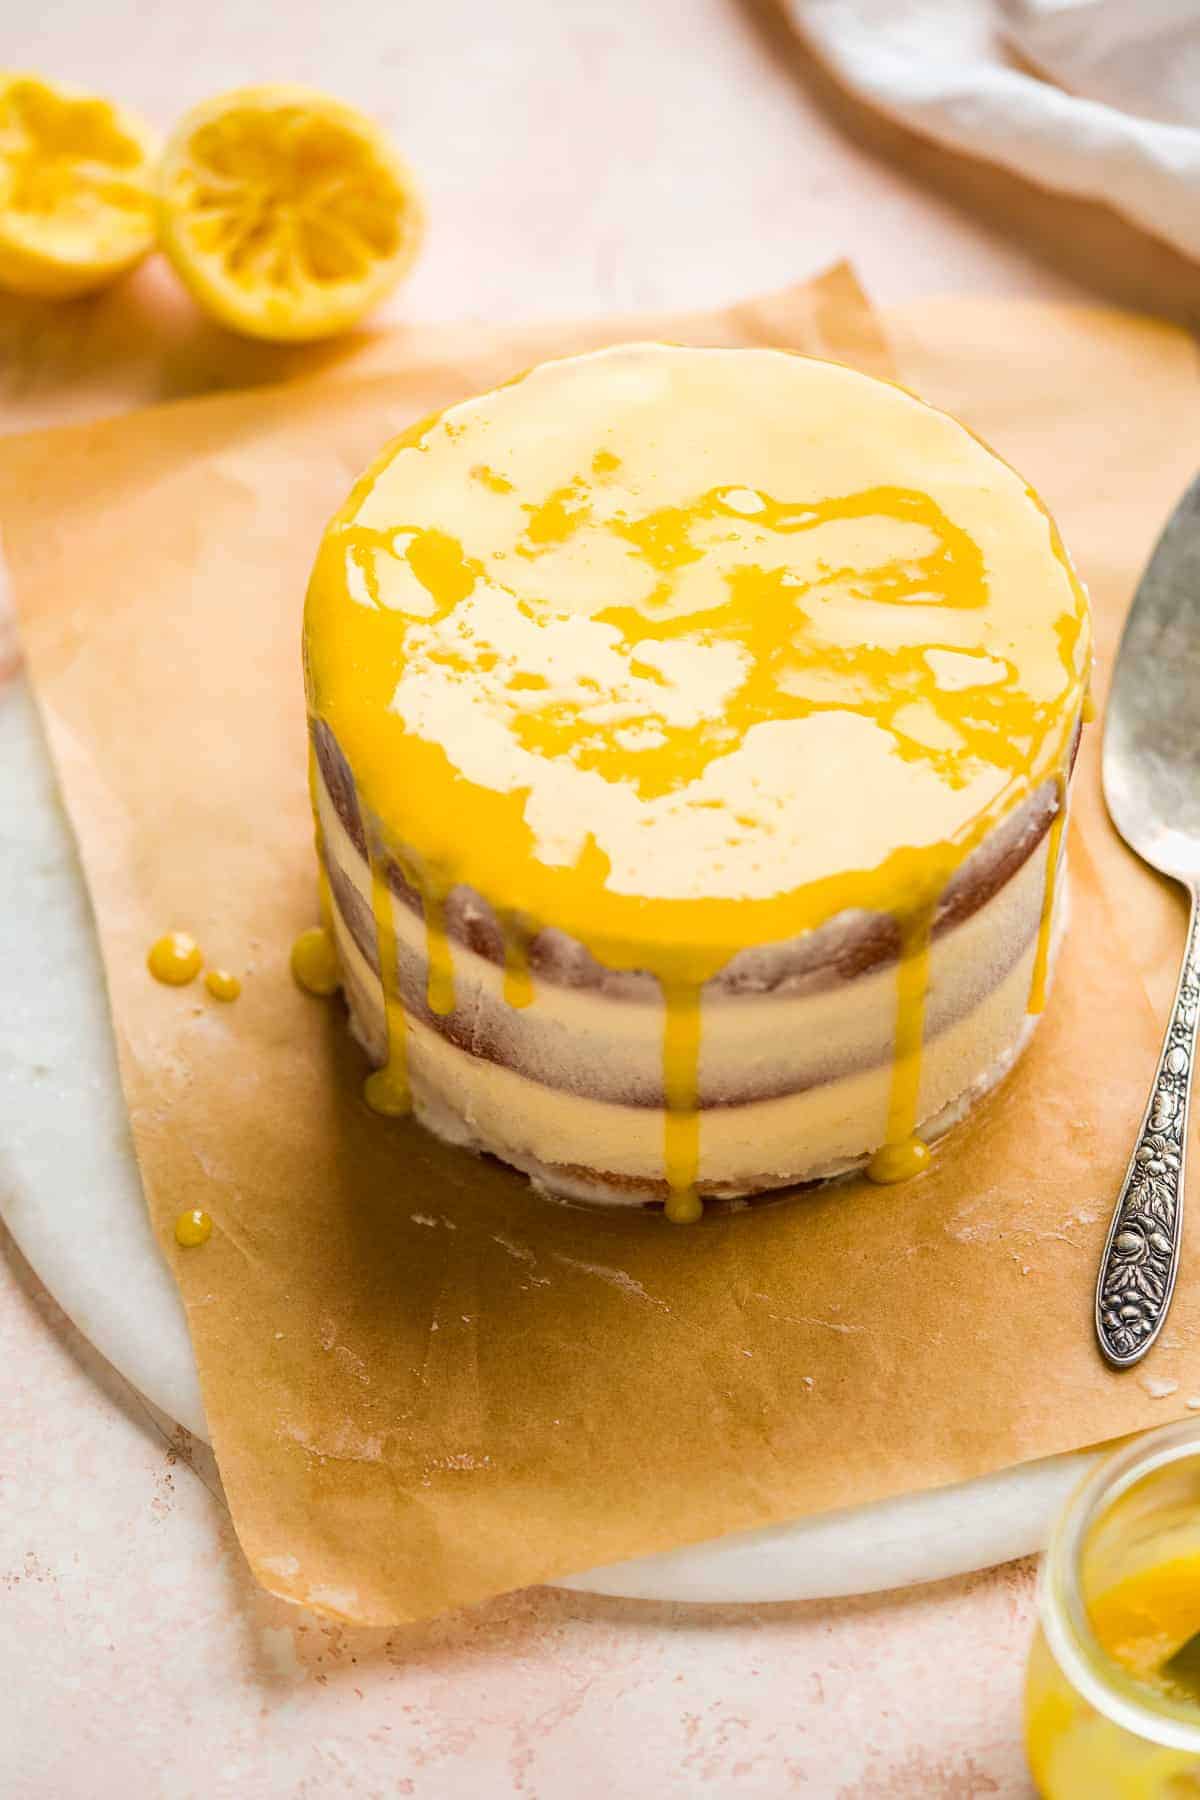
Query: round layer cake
[691, 732]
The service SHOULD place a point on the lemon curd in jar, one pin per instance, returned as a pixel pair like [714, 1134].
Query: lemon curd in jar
[1112, 1699]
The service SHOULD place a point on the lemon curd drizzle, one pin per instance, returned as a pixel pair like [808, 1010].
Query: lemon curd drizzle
[439, 987]
[589, 686]
[518, 978]
[902, 1153]
[325, 900]
[387, 1090]
[1041, 959]
[314, 960]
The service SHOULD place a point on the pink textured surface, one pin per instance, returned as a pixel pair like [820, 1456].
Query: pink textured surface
[579, 158]
[137, 1656]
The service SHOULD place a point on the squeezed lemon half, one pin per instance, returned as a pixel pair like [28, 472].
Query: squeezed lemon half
[76, 195]
[287, 214]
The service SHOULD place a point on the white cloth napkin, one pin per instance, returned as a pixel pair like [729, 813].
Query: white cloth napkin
[1127, 132]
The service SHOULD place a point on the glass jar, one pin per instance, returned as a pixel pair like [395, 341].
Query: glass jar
[1107, 1714]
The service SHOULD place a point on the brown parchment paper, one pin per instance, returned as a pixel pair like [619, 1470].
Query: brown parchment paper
[425, 1384]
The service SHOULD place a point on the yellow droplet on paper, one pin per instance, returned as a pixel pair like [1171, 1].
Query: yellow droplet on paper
[386, 1092]
[1089, 707]
[193, 1229]
[222, 985]
[899, 1162]
[175, 959]
[315, 963]
[684, 1206]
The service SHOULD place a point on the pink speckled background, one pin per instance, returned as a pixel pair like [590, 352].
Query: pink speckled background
[580, 158]
[137, 1656]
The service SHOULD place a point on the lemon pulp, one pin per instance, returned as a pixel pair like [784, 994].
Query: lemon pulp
[76, 206]
[286, 213]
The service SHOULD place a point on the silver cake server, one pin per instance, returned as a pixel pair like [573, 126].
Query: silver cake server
[1152, 788]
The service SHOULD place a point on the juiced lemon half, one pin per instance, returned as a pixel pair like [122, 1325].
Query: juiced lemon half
[287, 214]
[76, 196]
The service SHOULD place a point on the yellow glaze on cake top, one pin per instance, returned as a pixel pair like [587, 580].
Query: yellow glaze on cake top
[682, 651]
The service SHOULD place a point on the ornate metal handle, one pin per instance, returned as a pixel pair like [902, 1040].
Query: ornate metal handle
[1141, 1257]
